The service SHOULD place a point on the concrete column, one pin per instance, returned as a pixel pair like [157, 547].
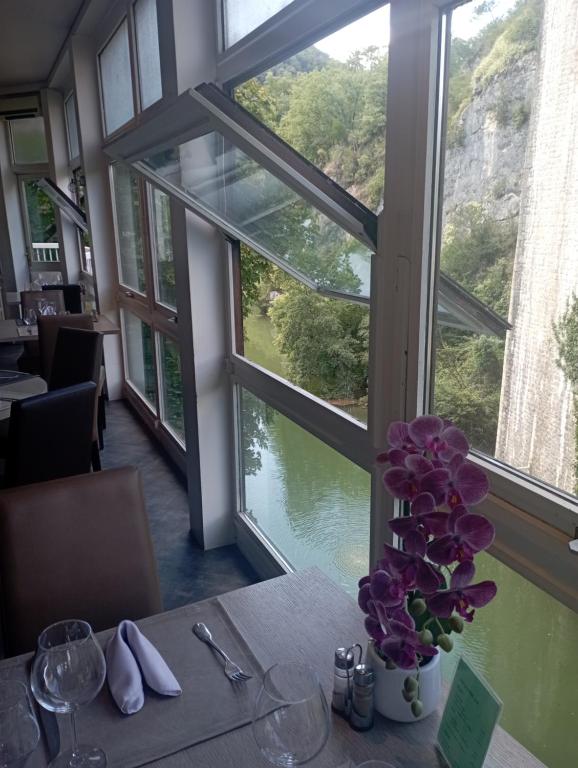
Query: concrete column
[13, 259]
[98, 200]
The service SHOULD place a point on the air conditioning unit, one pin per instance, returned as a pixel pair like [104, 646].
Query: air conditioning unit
[19, 105]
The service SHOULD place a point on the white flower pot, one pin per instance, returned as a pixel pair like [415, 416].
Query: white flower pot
[388, 698]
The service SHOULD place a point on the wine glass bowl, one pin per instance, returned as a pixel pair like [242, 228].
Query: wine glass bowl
[68, 672]
[291, 716]
[19, 732]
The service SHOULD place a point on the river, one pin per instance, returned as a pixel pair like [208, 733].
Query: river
[313, 504]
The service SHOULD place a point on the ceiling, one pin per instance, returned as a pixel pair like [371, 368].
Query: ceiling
[31, 35]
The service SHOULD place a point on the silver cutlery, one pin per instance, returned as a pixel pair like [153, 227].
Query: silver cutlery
[232, 670]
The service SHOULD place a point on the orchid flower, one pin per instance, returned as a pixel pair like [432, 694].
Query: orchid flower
[467, 535]
[403, 482]
[439, 437]
[410, 564]
[424, 518]
[462, 595]
[401, 642]
[460, 483]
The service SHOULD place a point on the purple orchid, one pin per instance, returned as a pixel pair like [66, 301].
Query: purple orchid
[439, 437]
[424, 518]
[462, 595]
[460, 482]
[401, 642]
[410, 564]
[403, 482]
[468, 534]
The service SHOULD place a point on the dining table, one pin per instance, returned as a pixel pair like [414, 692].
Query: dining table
[15, 385]
[301, 617]
[13, 331]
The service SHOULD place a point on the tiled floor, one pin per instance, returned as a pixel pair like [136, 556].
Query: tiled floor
[187, 573]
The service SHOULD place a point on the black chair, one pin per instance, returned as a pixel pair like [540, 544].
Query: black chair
[72, 295]
[50, 435]
[77, 358]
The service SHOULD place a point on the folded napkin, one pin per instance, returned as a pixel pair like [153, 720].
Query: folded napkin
[130, 658]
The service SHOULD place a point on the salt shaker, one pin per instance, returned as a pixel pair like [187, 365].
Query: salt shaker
[342, 674]
[361, 714]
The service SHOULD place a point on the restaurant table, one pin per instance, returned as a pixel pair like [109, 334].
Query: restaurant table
[299, 617]
[10, 331]
[17, 386]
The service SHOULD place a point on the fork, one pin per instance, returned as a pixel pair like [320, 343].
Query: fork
[232, 670]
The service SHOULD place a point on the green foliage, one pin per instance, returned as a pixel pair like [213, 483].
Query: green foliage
[256, 274]
[566, 335]
[41, 215]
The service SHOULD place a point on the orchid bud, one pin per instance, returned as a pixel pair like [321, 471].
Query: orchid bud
[416, 707]
[457, 624]
[445, 643]
[410, 684]
[418, 607]
[389, 664]
[409, 696]
[426, 637]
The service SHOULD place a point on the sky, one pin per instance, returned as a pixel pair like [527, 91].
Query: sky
[373, 29]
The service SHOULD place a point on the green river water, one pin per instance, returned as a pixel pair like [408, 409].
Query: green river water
[313, 504]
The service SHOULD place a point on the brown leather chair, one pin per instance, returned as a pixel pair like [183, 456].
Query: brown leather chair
[48, 328]
[79, 547]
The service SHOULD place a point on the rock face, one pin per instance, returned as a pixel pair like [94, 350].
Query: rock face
[536, 423]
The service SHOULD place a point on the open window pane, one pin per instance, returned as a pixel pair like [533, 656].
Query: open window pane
[172, 386]
[116, 80]
[41, 219]
[307, 499]
[149, 61]
[72, 127]
[28, 140]
[339, 83]
[509, 237]
[163, 248]
[68, 207]
[243, 16]
[128, 209]
[319, 344]
[139, 355]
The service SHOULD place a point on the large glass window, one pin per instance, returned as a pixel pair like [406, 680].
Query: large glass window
[129, 227]
[147, 43]
[72, 127]
[243, 16]
[172, 386]
[311, 502]
[509, 237]
[28, 141]
[116, 80]
[139, 356]
[164, 264]
[340, 83]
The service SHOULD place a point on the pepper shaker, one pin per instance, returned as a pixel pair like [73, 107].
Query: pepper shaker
[342, 674]
[361, 714]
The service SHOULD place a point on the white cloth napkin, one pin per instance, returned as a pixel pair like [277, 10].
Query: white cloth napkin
[130, 658]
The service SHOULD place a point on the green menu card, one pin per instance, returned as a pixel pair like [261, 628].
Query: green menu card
[470, 716]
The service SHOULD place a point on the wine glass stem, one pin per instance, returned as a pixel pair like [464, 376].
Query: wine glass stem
[74, 736]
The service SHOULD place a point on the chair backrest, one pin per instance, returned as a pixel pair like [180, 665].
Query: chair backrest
[75, 548]
[77, 358]
[42, 302]
[47, 332]
[50, 435]
[71, 294]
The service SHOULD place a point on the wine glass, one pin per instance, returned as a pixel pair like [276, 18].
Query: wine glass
[291, 717]
[30, 317]
[19, 732]
[67, 673]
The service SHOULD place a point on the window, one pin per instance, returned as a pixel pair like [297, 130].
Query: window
[243, 16]
[72, 127]
[309, 501]
[28, 141]
[147, 42]
[163, 249]
[116, 80]
[139, 357]
[129, 228]
[171, 386]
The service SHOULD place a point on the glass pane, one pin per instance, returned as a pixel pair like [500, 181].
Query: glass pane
[339, 83]
[28, 140]
[83, 237]
[127, 201]
[243, 16]
[72, 127]
[231, 187]
[164, 263]
[311, 502]
[172, 385]
[510, 231]
[138, 340]
[41, 217]
[525, 629]
[149, 60]
[319, 344]
[116, 80]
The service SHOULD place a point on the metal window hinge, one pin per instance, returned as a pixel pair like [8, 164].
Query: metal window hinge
[573, 544]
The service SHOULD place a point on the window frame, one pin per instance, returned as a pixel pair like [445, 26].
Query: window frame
[73, 160]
